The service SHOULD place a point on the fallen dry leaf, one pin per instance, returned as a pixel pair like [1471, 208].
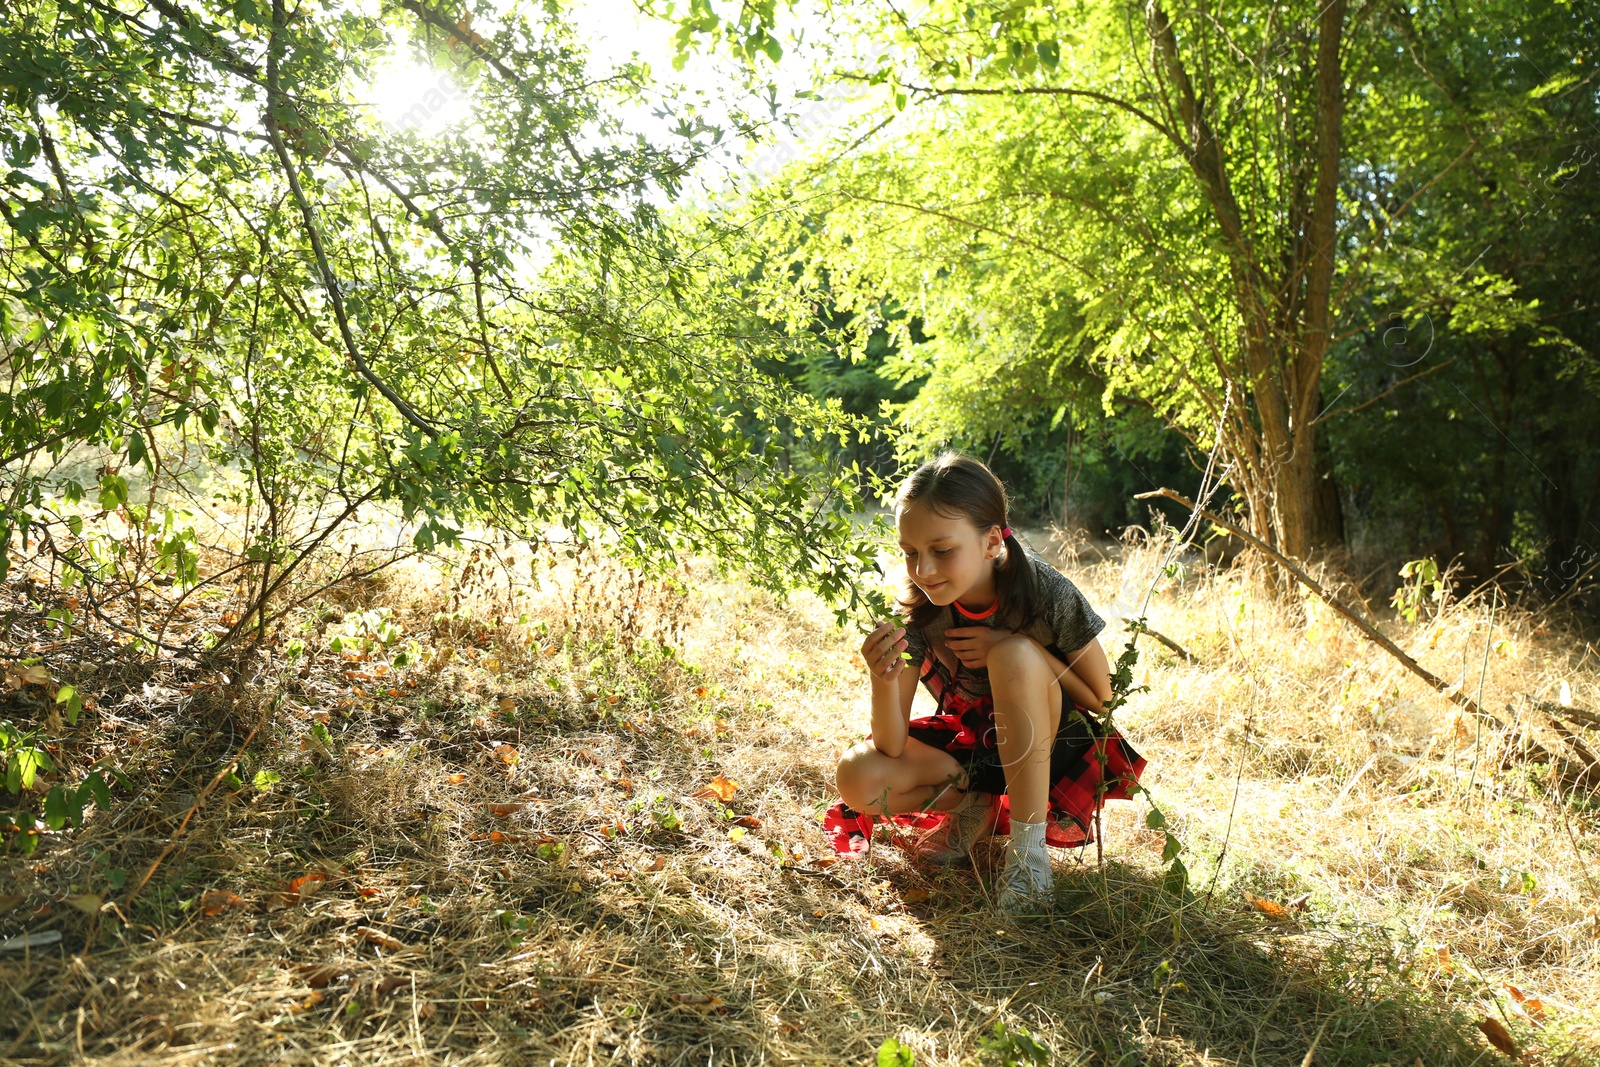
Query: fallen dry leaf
[506, 754]
[218, 900]
[368, 894]
[702, 1002]
[508, 706]
[322, 975]
[1498, 1036]
[1270, 908]
[719, 787]
[7, 902]
[660, 862]
[749, 822]
[824, 862]
[379, 938]
[299, 889]
[456, 779]
[915, 896]
[502, 811]
[392, 983]
[88, 903]
[1530, 1007]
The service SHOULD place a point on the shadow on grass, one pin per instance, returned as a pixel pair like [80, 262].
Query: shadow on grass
[432, 941]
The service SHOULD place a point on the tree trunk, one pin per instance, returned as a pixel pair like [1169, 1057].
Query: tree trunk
[1284, 309]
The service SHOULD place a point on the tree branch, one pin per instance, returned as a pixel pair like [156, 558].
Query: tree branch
[330, 283]
[1452, 693]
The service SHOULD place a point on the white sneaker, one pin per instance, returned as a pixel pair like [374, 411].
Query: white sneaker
[1025, 883]
[951, 841]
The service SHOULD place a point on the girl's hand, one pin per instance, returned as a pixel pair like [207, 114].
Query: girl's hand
[884, 650]
[971, 644]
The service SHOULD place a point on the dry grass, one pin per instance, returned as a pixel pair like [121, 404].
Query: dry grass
[606, 914]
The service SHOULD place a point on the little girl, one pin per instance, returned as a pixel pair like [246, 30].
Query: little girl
[1004, 642]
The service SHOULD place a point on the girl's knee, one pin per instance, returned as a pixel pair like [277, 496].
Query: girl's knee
[1018, 654]
[860, 773]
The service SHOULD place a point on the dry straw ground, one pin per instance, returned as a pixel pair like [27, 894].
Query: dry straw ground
[519, 850]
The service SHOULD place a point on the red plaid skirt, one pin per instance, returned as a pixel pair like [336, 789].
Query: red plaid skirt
[1087, 767]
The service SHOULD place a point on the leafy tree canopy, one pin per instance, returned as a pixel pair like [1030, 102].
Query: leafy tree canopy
[216, 256]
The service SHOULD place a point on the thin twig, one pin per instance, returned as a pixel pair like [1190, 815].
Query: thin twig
[226, 770]
[1137, 628]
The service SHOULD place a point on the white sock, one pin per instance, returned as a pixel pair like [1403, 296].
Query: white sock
[1027, 836]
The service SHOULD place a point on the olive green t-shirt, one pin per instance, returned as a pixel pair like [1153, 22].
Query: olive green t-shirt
[1065, 624]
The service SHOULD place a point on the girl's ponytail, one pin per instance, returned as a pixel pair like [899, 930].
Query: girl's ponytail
[1016, 586]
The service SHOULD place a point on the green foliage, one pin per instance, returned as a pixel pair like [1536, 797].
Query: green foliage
[1175, 882]
[1077, 227]
[894, 1053]
[1014, 1048]
[23, 757]
[222, 274]
[1420, 584]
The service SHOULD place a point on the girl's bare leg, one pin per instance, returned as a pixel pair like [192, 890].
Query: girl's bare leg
[922, 778]
[1027, 713]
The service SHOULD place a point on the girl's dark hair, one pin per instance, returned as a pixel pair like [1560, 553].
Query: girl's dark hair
[960, 487]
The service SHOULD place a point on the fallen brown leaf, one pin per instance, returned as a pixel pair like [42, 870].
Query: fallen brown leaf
[915, 896]
[392, 983]
[749, 822]
[1498, 1036]
[218, 900]
[7, 902]
[719, 787]
[456, 779]
[660, 862]
[379, 938]
[701, 1002]
[322, 975]
[1270, 908]
[504, 810]
[88, 903]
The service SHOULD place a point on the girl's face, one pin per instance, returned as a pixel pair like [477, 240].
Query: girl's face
[948, 557]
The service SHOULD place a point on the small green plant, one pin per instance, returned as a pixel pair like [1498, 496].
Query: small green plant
[25, 757]
[364, 632]
[1421, 583]
[893, 1053]
[1176, 879]
[1014, 1048]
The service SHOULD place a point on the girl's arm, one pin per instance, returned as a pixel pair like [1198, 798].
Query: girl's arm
[894, 685]
[891, 710]
[1086, 676]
